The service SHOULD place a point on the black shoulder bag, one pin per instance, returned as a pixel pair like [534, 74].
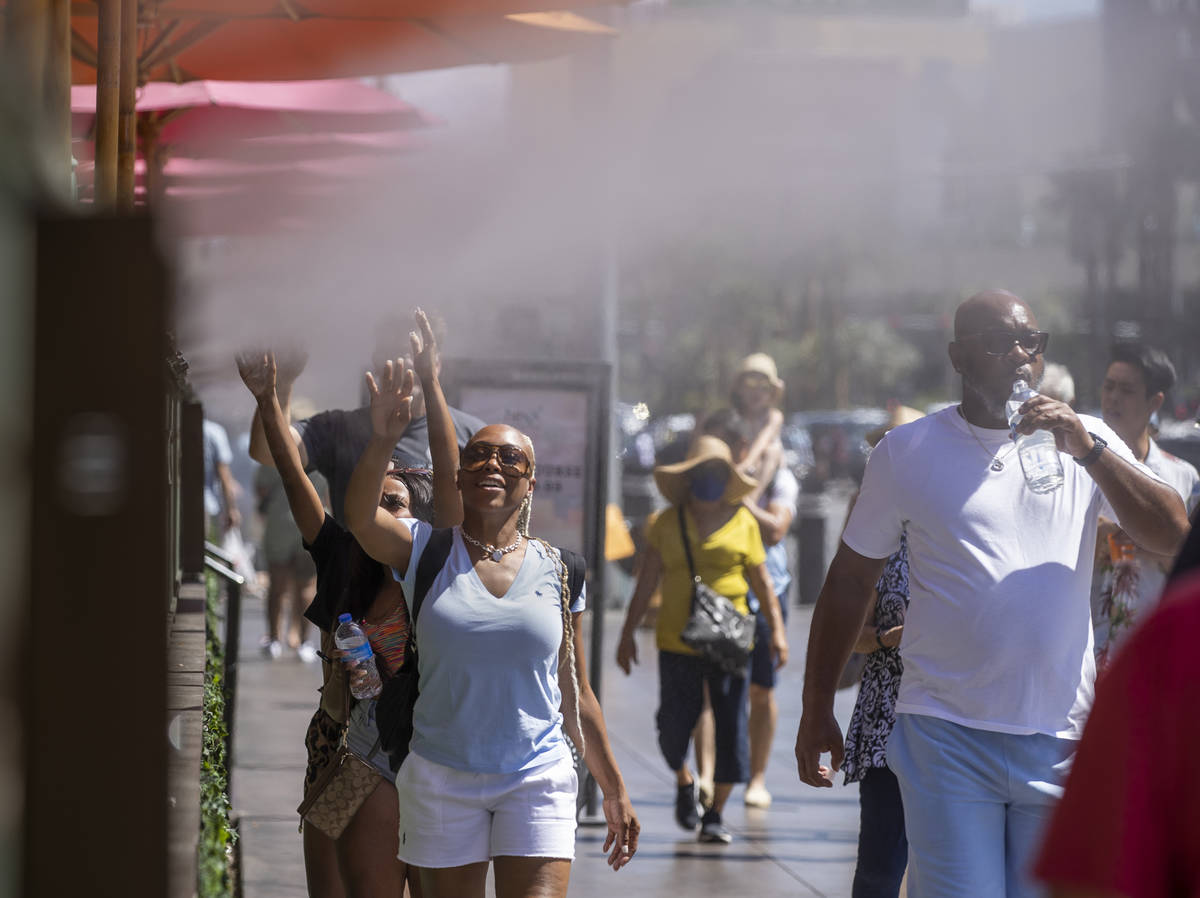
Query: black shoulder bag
[720, 633]
[398, 698]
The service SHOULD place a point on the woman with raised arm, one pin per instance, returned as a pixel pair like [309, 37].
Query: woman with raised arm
[756, 394]
[362, 861]
[489, 778]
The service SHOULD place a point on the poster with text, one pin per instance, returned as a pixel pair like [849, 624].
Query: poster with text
[557, 423]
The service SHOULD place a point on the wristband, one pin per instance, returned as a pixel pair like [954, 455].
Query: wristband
[1098, 444]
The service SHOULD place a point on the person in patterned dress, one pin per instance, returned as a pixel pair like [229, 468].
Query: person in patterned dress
[882, 843]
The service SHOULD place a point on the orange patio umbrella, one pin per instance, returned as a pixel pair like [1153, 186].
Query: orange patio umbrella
[119, 44]
[269, 40]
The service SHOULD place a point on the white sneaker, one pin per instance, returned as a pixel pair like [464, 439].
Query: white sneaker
[271, 648]
[307, 653]
[757, 797]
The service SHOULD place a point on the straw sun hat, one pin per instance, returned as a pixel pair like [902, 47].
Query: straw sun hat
[761, 363]
[900, 414]
[673, 482]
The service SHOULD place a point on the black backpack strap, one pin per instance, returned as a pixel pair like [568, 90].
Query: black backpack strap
[576, 571]
[433, 559]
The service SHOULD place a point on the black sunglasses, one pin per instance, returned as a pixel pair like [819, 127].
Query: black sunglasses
[513, 460]
[1002, 342]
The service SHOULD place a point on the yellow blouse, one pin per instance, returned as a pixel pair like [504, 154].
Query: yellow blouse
[721, 561]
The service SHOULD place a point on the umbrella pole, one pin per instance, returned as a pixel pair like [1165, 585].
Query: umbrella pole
[149, 126]
[108, 85]
[127, 106]
[58, 85]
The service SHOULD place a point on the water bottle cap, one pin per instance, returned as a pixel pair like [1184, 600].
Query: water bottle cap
[1019, 386]
[343, 618]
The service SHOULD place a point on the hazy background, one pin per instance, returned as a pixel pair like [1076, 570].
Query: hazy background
[727, 178]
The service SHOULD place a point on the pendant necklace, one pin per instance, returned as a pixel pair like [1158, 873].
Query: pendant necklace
[997, 464]
[490, 551]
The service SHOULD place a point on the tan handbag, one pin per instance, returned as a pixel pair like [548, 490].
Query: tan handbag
[338, 793]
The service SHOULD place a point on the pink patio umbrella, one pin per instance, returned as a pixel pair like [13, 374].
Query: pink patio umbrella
[230, 156]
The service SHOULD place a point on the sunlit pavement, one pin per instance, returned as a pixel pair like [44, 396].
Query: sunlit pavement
[804, 845]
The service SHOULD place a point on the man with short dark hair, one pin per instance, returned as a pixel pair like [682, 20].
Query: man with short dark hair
[997, 643]
[1129, 579]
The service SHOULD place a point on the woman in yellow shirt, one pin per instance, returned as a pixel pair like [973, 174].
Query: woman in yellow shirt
[728, 552]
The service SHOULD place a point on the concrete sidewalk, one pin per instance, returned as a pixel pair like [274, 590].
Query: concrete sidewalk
[805, 845]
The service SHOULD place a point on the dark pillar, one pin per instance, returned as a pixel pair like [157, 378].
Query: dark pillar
[94, 693]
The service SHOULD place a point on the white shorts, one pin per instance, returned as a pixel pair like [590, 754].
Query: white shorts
[449, 818]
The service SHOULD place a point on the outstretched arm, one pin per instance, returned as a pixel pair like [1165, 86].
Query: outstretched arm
[443, 441]
[765, 448]
[258, 371]
[774, 521]
[288, 368]
[649, 574]
[382, 537]
[623, 825]
[837, 621]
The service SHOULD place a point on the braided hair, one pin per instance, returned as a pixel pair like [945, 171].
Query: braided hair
[566, 655]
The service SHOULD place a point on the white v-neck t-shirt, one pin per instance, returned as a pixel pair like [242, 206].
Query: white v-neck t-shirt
[490, 695]
[998, 632]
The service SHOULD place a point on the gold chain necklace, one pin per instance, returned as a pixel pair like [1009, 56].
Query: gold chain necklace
[997, 463]
[490, 551]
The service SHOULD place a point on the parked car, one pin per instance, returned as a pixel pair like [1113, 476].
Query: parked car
[837, 441]
[662, 441]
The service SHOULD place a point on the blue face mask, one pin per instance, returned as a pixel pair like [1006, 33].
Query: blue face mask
[708, 486]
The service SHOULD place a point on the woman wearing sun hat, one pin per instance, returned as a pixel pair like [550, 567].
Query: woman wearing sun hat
[705, 492]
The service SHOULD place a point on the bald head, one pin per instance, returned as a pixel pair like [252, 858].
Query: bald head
[499, 434]
[989, 309]
[994, 346]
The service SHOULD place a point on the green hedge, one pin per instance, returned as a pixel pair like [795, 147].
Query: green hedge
[214, 854]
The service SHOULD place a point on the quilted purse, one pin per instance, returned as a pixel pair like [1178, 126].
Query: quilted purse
[338, 793]
[720, 633]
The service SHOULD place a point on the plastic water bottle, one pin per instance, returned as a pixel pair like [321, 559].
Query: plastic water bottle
[358, 658]
[1037, 451]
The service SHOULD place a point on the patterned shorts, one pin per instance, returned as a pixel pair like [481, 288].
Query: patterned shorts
[321, 741]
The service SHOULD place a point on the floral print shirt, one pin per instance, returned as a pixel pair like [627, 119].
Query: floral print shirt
[875, 711]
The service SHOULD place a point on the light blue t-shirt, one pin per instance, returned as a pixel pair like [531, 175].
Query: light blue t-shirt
[490, 698]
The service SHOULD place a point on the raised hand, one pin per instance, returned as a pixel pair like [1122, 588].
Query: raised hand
[1044, 413]
[258, 372]
[391, 400]
[424, 348]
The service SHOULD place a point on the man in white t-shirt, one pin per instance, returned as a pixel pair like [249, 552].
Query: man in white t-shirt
[1128, 580]
[997, 644]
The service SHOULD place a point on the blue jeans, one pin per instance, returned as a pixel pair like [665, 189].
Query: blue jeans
[681, 681]
[882, 844]
[975, 805]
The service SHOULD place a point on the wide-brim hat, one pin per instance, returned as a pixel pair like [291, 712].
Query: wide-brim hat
[900, 414]
[673, 481]
[760, 363]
